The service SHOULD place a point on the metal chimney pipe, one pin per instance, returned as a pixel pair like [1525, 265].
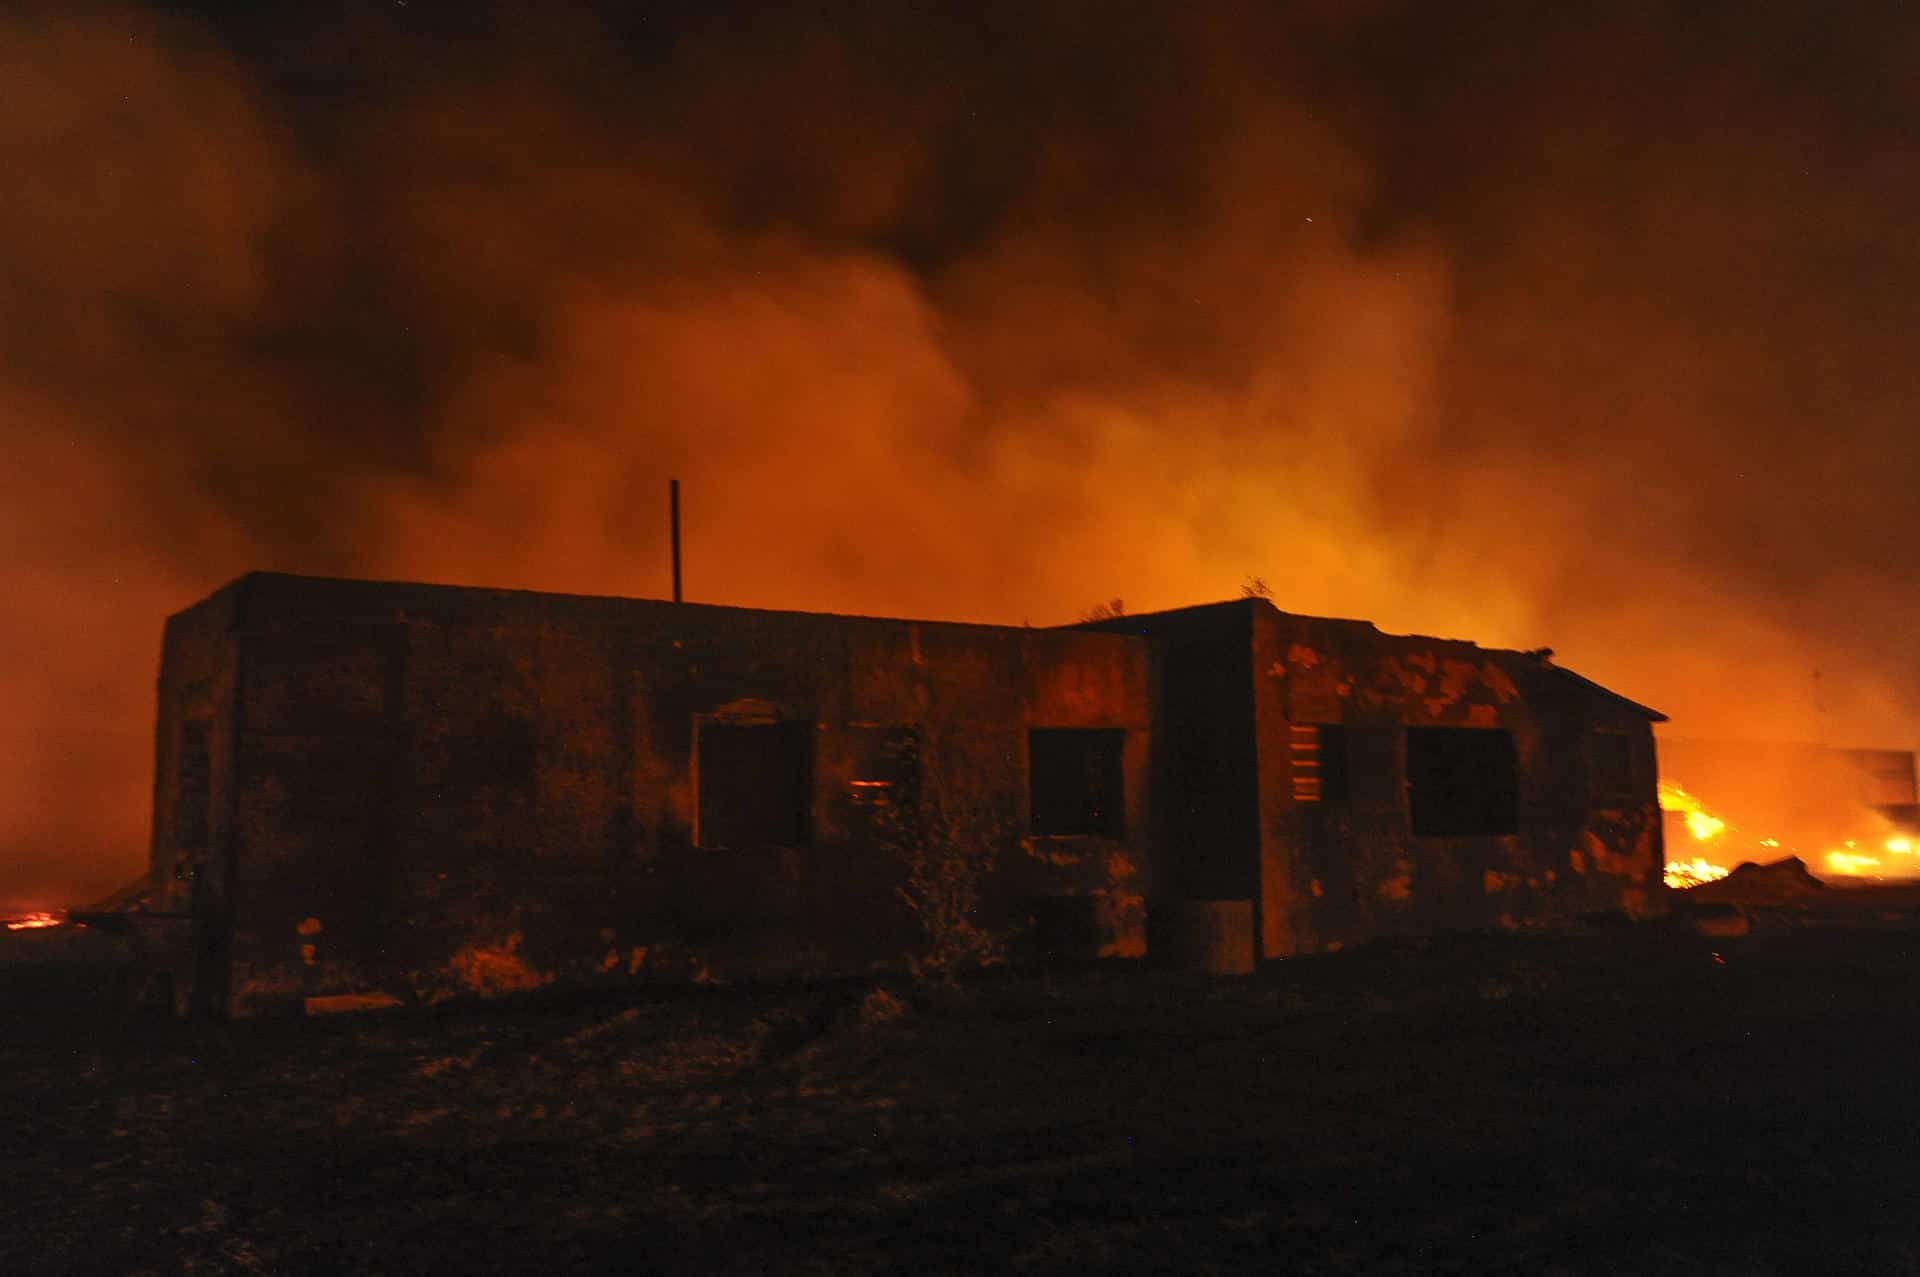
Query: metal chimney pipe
[673, 514]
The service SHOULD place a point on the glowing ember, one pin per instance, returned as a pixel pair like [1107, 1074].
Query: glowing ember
[1682, 874]
[1900, 846]
[32, 921]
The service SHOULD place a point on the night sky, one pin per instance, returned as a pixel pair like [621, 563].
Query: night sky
[1545, 325]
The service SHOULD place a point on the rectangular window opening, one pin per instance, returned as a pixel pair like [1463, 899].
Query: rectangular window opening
[755, 783]
[1319, 754]
[1462, 781]
[1077, 781]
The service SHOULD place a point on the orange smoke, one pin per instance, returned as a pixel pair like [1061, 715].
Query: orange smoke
[983, 315]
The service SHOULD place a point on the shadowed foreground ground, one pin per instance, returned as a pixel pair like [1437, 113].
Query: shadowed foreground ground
[1634, 1102]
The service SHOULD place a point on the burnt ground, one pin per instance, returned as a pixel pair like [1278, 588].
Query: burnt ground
[1641, 1101]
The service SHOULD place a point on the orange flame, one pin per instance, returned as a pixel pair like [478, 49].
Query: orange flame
[1847, 860]
[33, 921]
[1682, 874]
[1703, 825]
[1851, 862]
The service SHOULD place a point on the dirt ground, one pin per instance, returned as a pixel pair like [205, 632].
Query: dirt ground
[1640, 1101]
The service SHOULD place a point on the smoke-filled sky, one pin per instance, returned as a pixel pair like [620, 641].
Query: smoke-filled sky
[1583, 326]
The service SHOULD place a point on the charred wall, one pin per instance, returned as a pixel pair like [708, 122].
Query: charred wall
[470, 789]
[382, 786]
[196, 748]
[1205, 761]
[1574, 830]
[1309, 765]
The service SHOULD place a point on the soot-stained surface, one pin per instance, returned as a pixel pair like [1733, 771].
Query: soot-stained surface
[1627, 1102]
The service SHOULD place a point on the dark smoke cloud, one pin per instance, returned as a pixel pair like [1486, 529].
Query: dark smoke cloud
[1521, 326]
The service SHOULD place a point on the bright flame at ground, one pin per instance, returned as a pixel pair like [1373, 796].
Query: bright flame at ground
[1848, 860]
[1703, 825]
[31, 921]
[1682, 874]
[1855, 865]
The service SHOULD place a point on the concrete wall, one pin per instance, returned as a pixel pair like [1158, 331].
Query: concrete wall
[483, 790]
[1241, 675]
[1206, 761]
[194, 832]
[437, 790]
[1338, 872]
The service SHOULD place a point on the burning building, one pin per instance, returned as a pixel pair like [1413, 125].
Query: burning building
[366, 786]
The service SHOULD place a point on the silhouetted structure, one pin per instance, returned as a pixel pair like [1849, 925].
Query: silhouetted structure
[367, 785]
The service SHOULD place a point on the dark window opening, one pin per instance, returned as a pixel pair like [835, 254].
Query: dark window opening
[1077, 781]
[1610, 767]
[886, 765]
[756, 784]
[1462, 781]
[1319, 762]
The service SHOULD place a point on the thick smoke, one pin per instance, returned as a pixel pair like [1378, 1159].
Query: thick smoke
[1475, 321]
